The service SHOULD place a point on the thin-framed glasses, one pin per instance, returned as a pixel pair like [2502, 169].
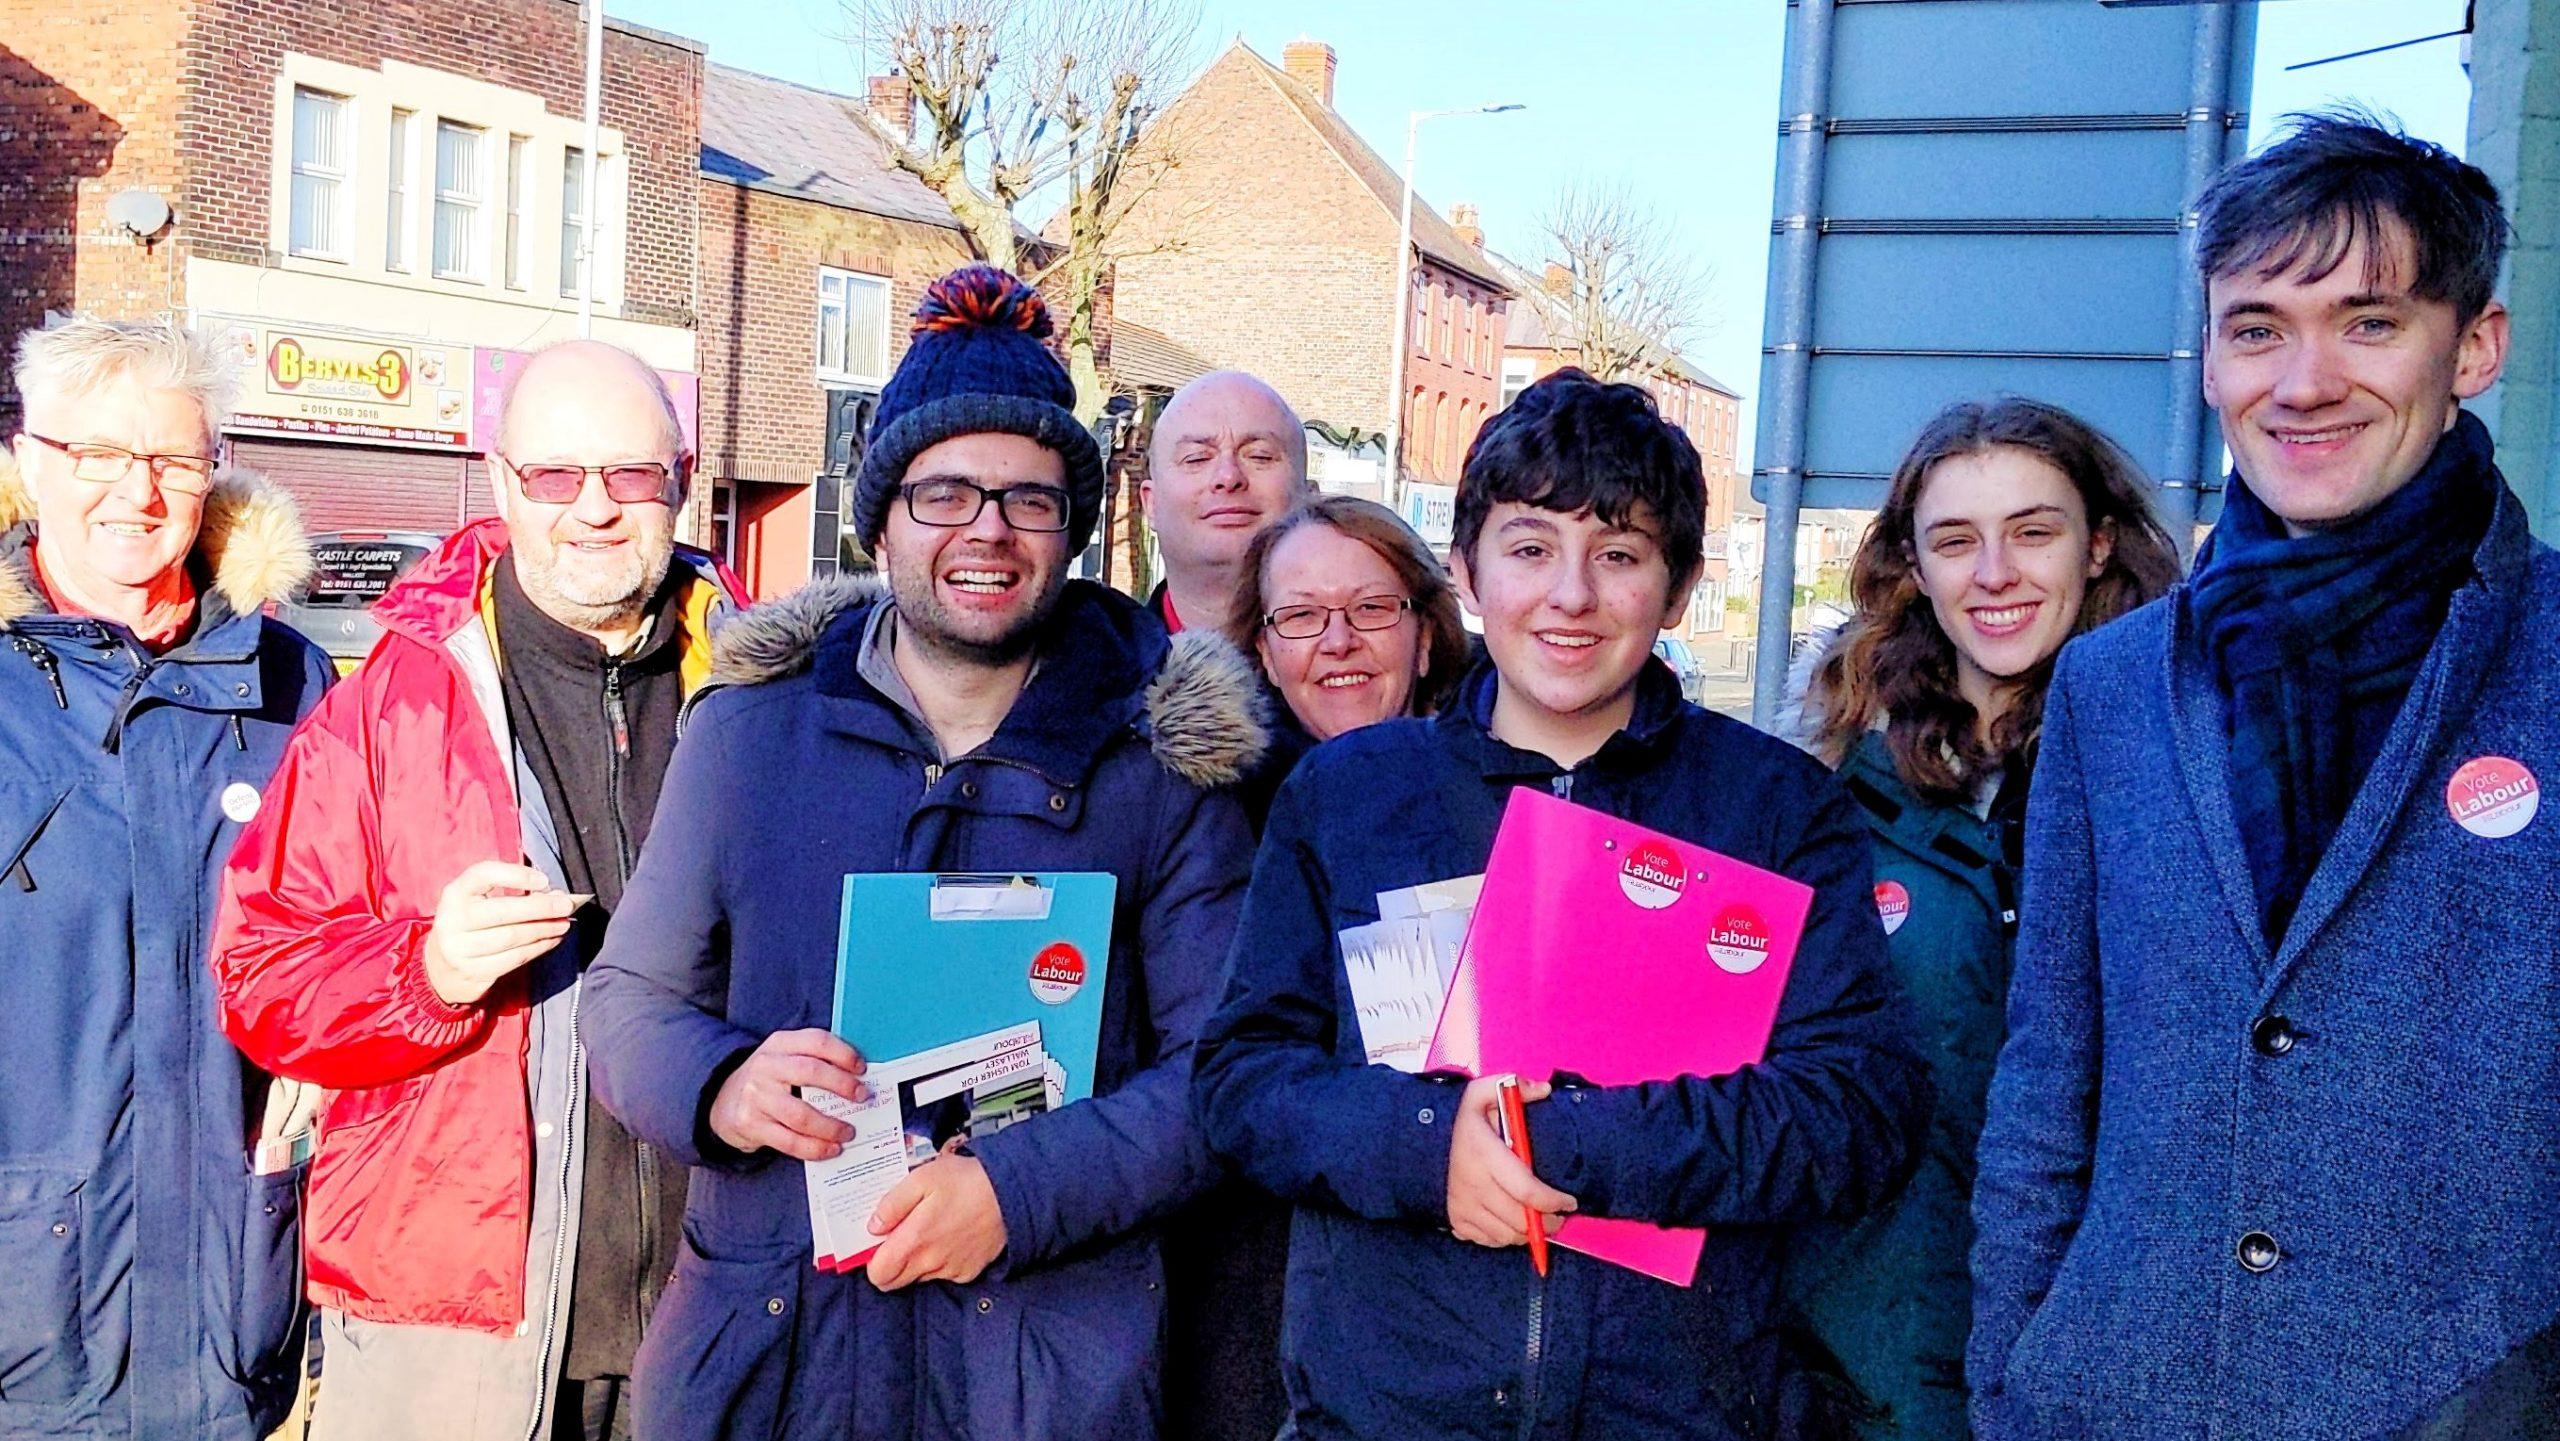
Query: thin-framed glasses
[1306, 622]
[953, 502]
[628, 482]
[101, 464]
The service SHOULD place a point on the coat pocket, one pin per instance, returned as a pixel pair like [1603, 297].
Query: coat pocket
[716, 1363]
[258, 1339]
[43, 1353]
[24, 812]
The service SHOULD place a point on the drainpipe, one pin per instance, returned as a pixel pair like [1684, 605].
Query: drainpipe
[1791, 346]
[2208, 99]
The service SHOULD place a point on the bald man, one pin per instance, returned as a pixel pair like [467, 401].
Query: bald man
[1227, 456]
[407, 920]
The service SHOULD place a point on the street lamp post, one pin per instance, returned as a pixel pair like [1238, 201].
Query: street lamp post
[1404, 298]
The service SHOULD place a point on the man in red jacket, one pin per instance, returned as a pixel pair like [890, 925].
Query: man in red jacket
[407, 920]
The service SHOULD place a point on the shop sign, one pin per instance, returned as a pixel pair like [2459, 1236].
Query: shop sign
[318, 383]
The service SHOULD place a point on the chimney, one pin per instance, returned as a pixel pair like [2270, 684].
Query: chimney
[1310, 63]
[1462, 219]
[1559, 280]
[893, 99]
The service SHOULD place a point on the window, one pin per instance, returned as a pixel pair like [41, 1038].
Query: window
[853, 327]
[321, 126]
[462, 188]
[1515, 376]
[1418, 335]
[395, 217]
[573, 218]
[1448, 319]
[518, 179]
[1440, 430]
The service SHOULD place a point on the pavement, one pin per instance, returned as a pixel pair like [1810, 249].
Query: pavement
[1728, 692]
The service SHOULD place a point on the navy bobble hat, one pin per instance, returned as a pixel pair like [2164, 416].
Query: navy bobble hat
[976, 365]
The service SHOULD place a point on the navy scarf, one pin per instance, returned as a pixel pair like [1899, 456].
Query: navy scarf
[2314, 643]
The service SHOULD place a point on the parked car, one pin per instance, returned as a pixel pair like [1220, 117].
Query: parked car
[1683, 661]
[350, 571]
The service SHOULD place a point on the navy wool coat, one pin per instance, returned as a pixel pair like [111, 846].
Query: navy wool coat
[150, 1275]
[804, 773]
[1393, 1327]
[2309, 1193]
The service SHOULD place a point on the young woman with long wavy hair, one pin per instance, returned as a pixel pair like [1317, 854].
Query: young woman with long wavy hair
[2010, 527]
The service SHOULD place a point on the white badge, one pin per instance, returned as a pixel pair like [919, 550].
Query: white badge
[240, 802]
[2493, 797]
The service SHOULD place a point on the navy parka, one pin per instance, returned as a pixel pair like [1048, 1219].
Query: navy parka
[150, 1281]
[728, 933]
[1394, 1327]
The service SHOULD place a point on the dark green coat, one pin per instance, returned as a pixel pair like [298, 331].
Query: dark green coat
[1889, 1296]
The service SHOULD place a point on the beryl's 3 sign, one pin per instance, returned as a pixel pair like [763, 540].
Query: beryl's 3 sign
[322, 383]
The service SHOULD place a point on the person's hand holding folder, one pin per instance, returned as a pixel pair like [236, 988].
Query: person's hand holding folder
[756, 1109]
[1491, 1190]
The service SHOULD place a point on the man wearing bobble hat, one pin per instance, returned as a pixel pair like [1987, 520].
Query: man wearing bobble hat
[981, 712]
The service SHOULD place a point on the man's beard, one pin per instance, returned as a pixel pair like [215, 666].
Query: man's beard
[923, 619]
[589, 601]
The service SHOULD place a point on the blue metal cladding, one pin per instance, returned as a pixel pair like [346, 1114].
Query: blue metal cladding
[2002, 209]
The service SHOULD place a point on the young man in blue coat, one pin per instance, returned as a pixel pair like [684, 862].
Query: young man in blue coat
[2273, 1148]
[1411, 1310]
[985, 714]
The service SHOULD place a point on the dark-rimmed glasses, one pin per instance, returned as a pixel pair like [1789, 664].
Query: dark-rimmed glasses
[1041, 509]
[101, 464]
[1306, 622]
[628, 482]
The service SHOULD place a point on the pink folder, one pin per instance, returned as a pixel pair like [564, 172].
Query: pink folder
[1623, 955]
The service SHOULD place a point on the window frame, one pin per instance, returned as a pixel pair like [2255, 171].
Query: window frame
[338, 175]
[845, 375]
[477, 202]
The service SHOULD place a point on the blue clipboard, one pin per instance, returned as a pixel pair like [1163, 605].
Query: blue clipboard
[924, 960]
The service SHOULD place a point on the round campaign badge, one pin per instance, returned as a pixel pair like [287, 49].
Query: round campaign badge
[1893, 903]
[1653, 876]
[240, 802]
[2493, 797]
[1057, 973]
[1738, 940]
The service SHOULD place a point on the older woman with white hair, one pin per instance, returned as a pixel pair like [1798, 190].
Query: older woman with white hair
[150, 1279]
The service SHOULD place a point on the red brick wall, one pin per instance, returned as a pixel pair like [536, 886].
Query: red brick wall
[1453, 367]
[763, 417]
[84, 114]
[652, 93]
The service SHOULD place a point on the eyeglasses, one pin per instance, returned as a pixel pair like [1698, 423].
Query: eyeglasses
[1038, 508]
[628, 482]
[106, 464]
[1306, 622]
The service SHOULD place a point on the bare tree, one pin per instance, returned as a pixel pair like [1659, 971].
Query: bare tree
[1025, 97]
[1634, 296]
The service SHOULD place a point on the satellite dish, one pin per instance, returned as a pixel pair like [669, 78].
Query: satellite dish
[139, 211]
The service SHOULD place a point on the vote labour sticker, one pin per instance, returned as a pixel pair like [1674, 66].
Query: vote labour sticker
[1893, 903]
[240, 802]
[1653, 876]
[1057, 973]
[2493, 797]
[1738, 940]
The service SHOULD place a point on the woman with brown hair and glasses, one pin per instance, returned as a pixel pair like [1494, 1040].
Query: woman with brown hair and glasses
[1352, 618]
[2009, 528]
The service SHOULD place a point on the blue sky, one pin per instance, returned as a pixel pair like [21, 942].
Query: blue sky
[1680, 100]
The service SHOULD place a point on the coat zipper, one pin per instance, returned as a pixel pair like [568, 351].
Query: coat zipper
[37, 651]
[545, 1389]
[1533, 1358]
[644, 1164]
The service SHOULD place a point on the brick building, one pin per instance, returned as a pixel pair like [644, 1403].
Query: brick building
[376, 209]
[1271, 247]
[814, 253]
[1538, 340]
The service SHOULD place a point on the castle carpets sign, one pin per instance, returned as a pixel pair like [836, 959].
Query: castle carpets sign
[314, 383]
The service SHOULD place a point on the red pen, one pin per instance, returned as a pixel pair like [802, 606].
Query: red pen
[1512, 1118]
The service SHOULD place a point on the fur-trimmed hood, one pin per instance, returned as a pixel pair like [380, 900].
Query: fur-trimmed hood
[251, 544]
[1207, 716]
[1799, 714]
